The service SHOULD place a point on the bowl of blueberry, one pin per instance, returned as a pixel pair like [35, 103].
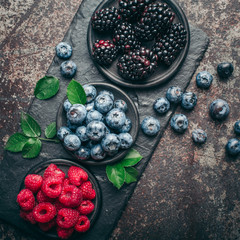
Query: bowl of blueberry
[103, 130]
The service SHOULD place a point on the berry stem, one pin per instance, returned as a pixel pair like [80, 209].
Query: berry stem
[50, 140]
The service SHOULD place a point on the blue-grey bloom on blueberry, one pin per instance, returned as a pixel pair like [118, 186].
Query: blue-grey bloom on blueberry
[237, 127]
[64, 50]
[103, 103]
[116, 118]
[94, 115]
[68, 69]
[81, 132]
[225, 69]
[126, 140]
[121, 104]
[96, 130]
[107, 93]
[174, 94]
[204, 79]
[89, 106]
[161, 105]
[83, 153]
[111, 143]
[219, 109]
[150, 126]
[97, 152]
[72, 142]
[71, 126]
[233, 147]
[63, 132]
[179, 123]
[77, 114]
[189, 100]
[91, 92]
[126, 126]
[199, 136]
[66, 105]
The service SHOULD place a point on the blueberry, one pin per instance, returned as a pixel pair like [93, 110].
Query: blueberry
[150, 126]
[116, 118]
[199, 136]
[71, 126]
[103, 103]
[126, 140]
[204, 79]
[94, 115]
[91, 92]
[189, 100]
[237, 127]
[233, 147]
[225, 69]
[111, 143]
[81, 132]
[96, 130]
[63, 132]
[68, 69]
[110, 94]
[120, 104]
[64, 50]
[219, 109]
[126, 126]
[174, 94]
[97, 152]
[72, 142]
[77, 114]
[179, 123]
[89, 106]
[66, 105]
[111, 154]
[82, 153]
[161, 105]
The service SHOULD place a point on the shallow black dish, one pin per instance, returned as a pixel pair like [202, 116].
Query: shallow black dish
[131, 113]
[162, 74]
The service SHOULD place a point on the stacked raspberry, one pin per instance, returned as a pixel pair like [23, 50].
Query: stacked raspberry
[57, 200]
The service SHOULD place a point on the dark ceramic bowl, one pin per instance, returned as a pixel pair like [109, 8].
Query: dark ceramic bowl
[131, 113]
[64, 165]
[162, 74]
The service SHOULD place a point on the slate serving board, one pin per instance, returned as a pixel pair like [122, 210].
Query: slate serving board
[13, 167]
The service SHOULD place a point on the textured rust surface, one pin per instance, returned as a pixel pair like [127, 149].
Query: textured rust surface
[186, 191]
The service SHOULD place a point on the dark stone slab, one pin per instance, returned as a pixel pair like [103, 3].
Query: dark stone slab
[14, 167]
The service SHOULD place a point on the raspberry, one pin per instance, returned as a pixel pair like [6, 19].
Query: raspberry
[53, 170]
[26, 200]
[77, 175]
[64, 233]
[71, 196]
[66, 182]
[27, 216]
[33, 182]
[44, 212]
[52, 187]
[83, 224]
[87, 190]
[86, 207]
[41, 197]
[47, 226]
[67, 217]
[58, 205]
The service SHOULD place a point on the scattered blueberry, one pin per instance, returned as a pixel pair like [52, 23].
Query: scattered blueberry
[174, 94]
[237, 127]
[225, 69]
[107, 93]
[111, 143]
[96, 130]
[204, 79]
[72, 142]
[179, 123]
[161, 105]
[97, 152]
[66, 105]
[63, 132]
[103, 103]
[219, 109]
[189, 100]
[120, 104]
[233, 147]
[91, 92]
[82, 153]
[116, 118]
[64, 50]
[89, 106]
[126, 140]
[81, 132]
[94, 115]
[68, 69]
[126, 126]
[76, 114]
[150, 126]
[199, 136]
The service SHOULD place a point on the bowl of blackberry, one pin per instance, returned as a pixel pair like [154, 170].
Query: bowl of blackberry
[138, 43]
[101, 131]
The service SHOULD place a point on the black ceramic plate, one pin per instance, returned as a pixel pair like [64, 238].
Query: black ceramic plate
[162, 73]
[64, 165]
[131, 113]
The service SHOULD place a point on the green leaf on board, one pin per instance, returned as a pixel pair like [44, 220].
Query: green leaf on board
[116, 175]
[131, 159]
[32, 148]
[76, 93]
[29, 126]
[16, 142]
[131, 175]
[51, 130]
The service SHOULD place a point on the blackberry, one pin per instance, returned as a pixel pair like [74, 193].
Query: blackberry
[169, 45]
[124, 37]
[137, 65]
[157, 17]
[105, 19]
[104, 52]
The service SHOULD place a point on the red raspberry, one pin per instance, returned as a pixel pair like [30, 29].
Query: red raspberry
[52, 187]
[47, 226]
[58, 205]
[71, 196]
[67, 217]
[26, 200]
[53, 171]
[33, 182]
[64, 233]
[66, 182]
[41, 197]
[44, 212]
[77, 175]
[27, 216]
[87, 190]
[83, 224]
[86, 207]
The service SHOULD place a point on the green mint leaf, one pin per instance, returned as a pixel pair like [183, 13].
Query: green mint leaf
[76, 93]
[46, 87]
[131, 159]
[116, 175]
[51, 130]
[32, 148]
[16, 142]
[131, 175]
[29, 126]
